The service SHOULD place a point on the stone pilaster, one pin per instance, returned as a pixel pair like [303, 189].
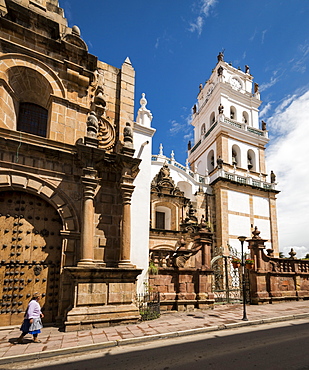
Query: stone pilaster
[90, 183]
[126, 188]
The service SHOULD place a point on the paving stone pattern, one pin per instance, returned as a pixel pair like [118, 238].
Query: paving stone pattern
[52, 339]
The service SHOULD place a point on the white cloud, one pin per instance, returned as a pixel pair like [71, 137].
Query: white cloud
[273, 80]
[176, 127]
[197, 25]
[204, 11]
[264, 111]
[185, 128]
[288, 156]
[263, 36]
[206, 6]
[253, 36]
[300, 64]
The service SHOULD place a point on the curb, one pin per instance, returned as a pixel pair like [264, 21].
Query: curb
[149, 338]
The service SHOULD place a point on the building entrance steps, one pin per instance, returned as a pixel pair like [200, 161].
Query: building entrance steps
[170, 324]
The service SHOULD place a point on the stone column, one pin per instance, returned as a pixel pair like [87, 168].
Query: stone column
[87, 231]
[125, 241]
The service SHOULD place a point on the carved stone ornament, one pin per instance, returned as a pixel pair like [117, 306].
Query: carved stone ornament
[128, 136]
[163, 183]
[106, 134]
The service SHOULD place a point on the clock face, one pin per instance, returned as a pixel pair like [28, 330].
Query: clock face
[236, 85]
[211, 87]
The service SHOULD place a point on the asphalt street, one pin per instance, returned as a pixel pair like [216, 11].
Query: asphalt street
[273, 346]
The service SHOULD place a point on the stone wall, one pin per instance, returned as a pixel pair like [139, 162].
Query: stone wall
[276, 279]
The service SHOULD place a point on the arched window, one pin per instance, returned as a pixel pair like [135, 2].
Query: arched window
[251, 160]
[163, 218]
[236, 156]
[233, 113]
[212, 119]
[203, 129]
[32, 118]
[245, 118]
[210, 161]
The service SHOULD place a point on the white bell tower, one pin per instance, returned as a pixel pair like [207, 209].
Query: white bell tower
[229, 148]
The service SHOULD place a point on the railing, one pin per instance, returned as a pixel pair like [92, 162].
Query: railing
[286, 265]
[248, 180]
[245, 127]
[211, 128]
[233, 123]
[149, 305]
[162, 158]
[196, 146]
[162, 258]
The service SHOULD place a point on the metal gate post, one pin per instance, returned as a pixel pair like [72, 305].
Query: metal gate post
[227, 285]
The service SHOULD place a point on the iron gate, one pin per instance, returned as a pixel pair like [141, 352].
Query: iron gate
[149, 305]
[227, 280]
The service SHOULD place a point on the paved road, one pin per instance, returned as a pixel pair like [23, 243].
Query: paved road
[276, 346]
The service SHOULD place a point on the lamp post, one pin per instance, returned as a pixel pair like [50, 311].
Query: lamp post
[242, 239]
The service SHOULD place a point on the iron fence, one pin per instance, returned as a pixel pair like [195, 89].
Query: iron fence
[149, 305]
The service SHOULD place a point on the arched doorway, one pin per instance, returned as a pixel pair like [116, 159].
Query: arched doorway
[30, 245]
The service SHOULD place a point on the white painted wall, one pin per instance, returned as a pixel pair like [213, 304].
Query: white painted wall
[239, 225]
[260, 206]
[140, 204]
[238, 202]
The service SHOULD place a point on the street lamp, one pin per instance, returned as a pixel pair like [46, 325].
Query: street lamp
[242, 239]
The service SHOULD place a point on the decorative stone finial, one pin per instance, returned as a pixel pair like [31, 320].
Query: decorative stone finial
[76, 31]
[292, 253]
[143, 101]
[128, 136]
[172, 155]
[144, 116]
[256, 233]
[99, 99]
[92, 125]
[161, 149]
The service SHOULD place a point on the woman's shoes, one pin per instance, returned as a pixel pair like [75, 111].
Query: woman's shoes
[37, 341]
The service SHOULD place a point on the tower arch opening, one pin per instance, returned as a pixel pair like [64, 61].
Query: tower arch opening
[236, 157]
[251, 160]
[210, 161]
[233, 114]
[245, 117]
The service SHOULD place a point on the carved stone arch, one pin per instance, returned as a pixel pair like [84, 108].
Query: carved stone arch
[164, 247]
[171, 214]
[13, 180]
[20, 60]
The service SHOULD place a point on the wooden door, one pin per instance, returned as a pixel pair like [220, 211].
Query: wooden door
[30, 245]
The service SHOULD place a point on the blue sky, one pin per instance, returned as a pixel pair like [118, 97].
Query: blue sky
[173, 45]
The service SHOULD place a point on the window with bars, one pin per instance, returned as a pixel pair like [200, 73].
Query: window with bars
[32, 118]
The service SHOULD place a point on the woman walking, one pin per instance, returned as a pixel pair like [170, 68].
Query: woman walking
[32, 322]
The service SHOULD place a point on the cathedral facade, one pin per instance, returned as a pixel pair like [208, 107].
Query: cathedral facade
[85, 208]
[66, 172]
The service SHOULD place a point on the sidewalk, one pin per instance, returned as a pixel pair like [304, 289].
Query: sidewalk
[170, 324]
